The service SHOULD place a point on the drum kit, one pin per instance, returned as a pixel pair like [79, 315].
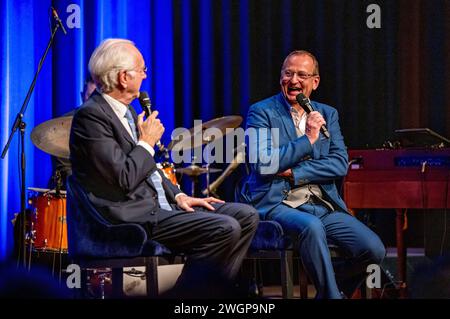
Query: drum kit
[48, 228]
[48, 220]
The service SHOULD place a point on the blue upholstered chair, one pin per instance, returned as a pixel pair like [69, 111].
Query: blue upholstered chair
[270, 242]
[94, 242]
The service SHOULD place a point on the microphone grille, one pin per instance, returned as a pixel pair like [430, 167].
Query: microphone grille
[301, 99]
[144, 98]
[304, 103]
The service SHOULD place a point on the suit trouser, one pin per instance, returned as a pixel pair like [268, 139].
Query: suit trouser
[312, 227]
[215, 242]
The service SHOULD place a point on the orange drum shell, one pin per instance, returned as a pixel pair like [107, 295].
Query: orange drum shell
[50, 223]
[169, 171]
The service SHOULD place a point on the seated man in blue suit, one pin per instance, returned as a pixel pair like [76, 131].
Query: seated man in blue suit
[111, 151]
[294, 167]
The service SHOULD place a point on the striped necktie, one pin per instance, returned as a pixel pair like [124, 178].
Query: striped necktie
[132, 124]
[157, 182]
[155, 177]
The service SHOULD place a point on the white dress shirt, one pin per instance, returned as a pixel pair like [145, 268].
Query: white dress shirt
[120, 109]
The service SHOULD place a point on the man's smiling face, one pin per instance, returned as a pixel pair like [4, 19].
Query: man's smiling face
[298, 76]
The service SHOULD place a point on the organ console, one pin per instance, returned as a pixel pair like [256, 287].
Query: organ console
[398, 179]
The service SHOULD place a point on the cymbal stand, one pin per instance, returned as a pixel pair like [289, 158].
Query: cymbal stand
[208, 140]
[21, 125]
[194, 179]
[193, 184]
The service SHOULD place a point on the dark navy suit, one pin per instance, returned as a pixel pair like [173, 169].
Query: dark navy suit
[312, 226]
[115, 173]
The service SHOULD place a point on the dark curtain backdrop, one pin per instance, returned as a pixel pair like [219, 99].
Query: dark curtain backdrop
[230, 54]
[210, 58]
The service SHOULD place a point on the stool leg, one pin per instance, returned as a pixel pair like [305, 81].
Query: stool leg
[117, 282]
[151, 276]
[258, 276]
[286, 274]
[303, 280]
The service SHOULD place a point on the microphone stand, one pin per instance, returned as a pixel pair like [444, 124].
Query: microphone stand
[20, 124]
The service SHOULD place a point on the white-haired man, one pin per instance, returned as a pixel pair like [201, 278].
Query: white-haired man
[112, 158]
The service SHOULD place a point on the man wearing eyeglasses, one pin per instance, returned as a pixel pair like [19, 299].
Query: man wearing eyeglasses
[300, 191]
[111, 151]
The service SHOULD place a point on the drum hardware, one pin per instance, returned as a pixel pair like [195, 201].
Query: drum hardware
[58, 182]
[208, 169]
[194, 171]
[238, 159]
[45, 191]
[99, 282]
[198, 138]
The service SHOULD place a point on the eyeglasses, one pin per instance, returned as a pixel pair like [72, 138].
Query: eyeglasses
[140, 70]
[303, 76]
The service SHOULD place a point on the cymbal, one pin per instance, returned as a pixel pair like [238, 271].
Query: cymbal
[197, 135]
[194, 170]
[52, 136]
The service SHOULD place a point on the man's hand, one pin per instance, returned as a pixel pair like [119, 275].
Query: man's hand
[150, 130]
[313, 123]
[287, 174]
[187, 202]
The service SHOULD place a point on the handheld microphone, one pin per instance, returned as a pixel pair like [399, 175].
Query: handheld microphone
[306, 105]
[146, 105]
[58, 20]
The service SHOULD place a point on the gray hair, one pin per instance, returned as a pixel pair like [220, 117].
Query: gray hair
[107, 60]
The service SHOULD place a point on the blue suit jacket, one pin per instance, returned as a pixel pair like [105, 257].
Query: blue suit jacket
[321, 163]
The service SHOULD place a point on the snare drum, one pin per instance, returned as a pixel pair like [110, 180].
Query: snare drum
[49, 221]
